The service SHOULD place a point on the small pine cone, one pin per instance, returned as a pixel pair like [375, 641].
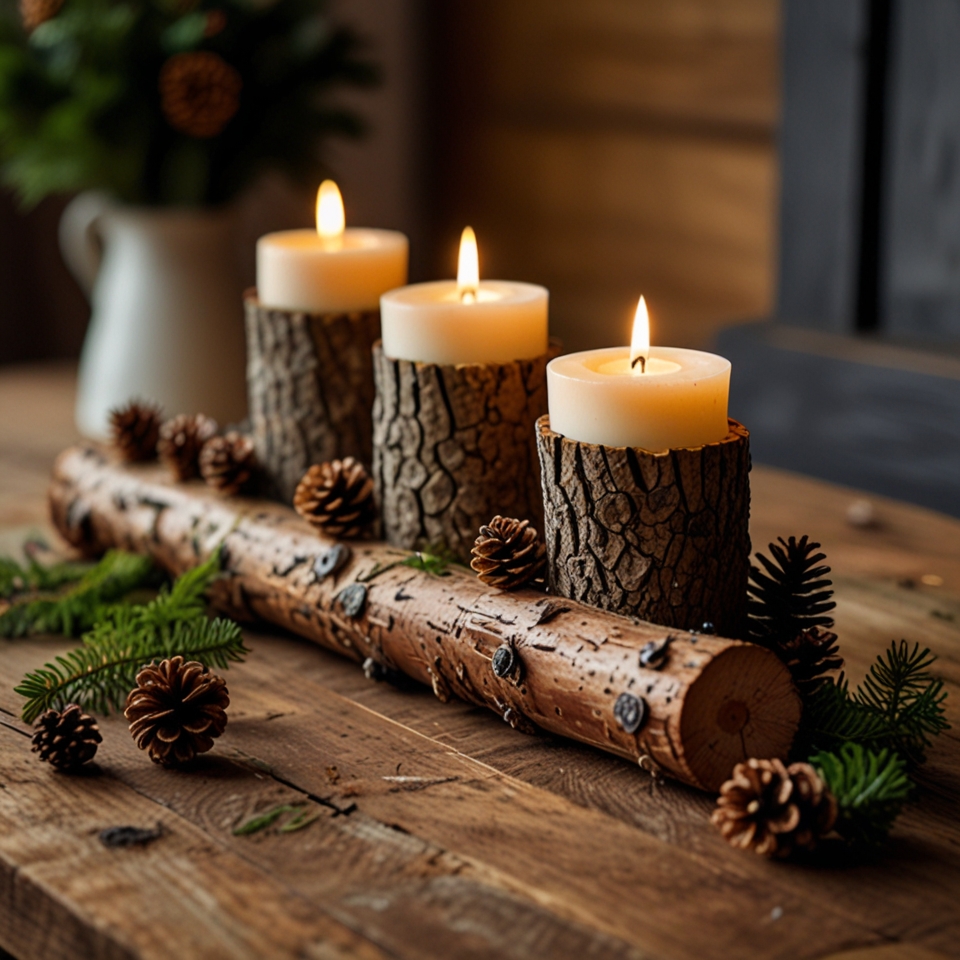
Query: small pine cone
[508, 553]
[136, 430]
[199, 93]
[181, 440]
[177, 710]
[810, 656]
[773, 809]
[35, 12]
[337, 498]
[227, 463]
[66, 738]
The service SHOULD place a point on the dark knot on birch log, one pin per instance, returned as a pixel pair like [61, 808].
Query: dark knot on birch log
[662, 536]
[309, 389]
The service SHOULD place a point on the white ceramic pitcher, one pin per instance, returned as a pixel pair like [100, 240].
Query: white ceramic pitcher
[167, 313]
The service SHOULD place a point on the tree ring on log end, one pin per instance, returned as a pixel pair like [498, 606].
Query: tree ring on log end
[630, 712]
[742, 704]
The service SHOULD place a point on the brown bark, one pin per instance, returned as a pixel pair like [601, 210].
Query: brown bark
[310, 389]
[662, 536]
[454, 446]
[694, 705]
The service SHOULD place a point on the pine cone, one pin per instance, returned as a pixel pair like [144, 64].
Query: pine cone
[337, 498]
[773, 809]
[508, 553]
[810, 656]
[35, 12]
[66, 738]
[227, 463]
[136, 430]
[181, 440]
[791, 593]
[177, 710]
[199, 92]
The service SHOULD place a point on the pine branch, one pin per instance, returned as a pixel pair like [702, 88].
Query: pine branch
[870, 789]
[790, 594]
[16, 578]
[100, 674]
[899, 707]
[79, 607]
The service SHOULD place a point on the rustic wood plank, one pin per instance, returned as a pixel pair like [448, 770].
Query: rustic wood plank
[66, 895]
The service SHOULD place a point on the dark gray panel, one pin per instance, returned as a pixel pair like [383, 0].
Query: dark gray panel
[922, 275]
[893, 431]
[821, 161]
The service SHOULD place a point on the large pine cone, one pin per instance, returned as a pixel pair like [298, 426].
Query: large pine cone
[136, 430]
[508, 553]
[199, 93]
[337, 498]
[181, 440]
[773, 809]
[810, 656]
[177, 710]
[66, 738]
[227, 463]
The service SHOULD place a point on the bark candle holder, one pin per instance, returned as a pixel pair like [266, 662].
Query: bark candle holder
[453, 445]
[310, 386]
[661, 536]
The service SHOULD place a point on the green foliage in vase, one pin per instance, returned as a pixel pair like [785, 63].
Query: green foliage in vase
[126, 637]
[870, 788]
[80, 606]
[169, 101]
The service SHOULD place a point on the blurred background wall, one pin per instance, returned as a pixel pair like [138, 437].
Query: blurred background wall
[603, 149]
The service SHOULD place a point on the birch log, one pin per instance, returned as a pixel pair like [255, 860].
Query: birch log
[310, 389]
[454, 446]
[663, 536]
[693, 705]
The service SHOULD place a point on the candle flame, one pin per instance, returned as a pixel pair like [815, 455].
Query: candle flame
[640, 342]
[468, 267]
[330, 218]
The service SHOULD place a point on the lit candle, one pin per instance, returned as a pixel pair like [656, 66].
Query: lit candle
[330, 269]
[465, 320]
[656, 398]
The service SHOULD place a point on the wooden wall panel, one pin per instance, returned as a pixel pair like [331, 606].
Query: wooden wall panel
[611, 148]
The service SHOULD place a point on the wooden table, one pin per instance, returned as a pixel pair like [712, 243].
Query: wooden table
[442, 832]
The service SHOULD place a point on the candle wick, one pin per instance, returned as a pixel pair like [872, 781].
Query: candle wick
[468, 296]
[642, 360]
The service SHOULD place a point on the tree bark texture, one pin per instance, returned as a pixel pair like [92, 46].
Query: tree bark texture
[453, 446]
[662, 536]
[694, 705]
[310, 389]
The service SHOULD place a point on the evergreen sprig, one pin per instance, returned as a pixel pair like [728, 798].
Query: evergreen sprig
[791, 592]
[899, 707]
[101, 673]
[17, 578]
[78, 608]
[870, 788]
[126, 637]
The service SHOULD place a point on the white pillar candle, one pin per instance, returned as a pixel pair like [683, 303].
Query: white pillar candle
[330, 269]
[465, 320]
[656, 398]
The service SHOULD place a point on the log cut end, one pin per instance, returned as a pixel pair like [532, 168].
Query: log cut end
[743, 704]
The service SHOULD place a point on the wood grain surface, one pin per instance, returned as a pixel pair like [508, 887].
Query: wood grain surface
[443, 832]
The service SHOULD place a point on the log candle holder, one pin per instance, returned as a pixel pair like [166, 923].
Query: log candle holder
[310, 389]
[454, 446]
[661, 536]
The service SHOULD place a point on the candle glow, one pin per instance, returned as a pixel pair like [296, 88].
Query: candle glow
[468, 267]
[330, 217]
[640, 341]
